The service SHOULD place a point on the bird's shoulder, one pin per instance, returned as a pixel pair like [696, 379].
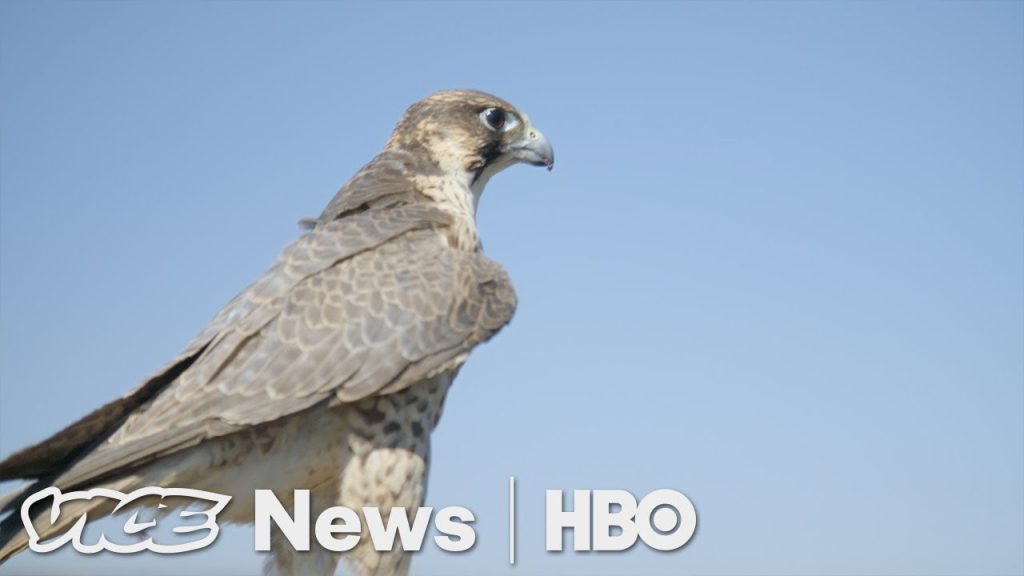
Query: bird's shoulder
[341, 316]
[391, 178]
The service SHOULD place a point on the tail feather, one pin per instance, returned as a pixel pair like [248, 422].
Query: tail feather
[14, 537]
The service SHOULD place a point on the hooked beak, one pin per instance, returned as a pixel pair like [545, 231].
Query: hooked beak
[533, 148]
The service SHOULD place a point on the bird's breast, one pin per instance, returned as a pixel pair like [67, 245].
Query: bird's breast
[454, 196]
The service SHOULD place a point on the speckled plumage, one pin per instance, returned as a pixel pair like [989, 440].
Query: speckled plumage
[329, 372]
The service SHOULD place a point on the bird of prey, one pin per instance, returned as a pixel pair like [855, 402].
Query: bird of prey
[329, 372]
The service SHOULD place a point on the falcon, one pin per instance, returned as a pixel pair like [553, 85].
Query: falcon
[330, 371]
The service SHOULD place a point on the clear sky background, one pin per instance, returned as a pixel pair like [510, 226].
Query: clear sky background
[779, 265]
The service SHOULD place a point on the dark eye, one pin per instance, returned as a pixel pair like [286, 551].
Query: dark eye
[494, 118]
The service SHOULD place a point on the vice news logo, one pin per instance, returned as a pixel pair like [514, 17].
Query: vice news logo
[603, 520]
[136, 535]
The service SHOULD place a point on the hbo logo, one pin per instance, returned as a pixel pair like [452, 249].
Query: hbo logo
[664, 520]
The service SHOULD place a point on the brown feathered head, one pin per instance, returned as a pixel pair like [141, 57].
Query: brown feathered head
[471, 131]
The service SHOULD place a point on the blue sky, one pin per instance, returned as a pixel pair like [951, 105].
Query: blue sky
[779, 265]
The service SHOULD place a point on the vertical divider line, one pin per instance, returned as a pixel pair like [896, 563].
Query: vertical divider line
[512, 520]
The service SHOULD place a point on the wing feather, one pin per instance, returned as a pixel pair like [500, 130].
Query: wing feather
[335, 320]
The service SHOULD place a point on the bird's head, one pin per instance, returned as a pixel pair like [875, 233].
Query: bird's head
[471, 133]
